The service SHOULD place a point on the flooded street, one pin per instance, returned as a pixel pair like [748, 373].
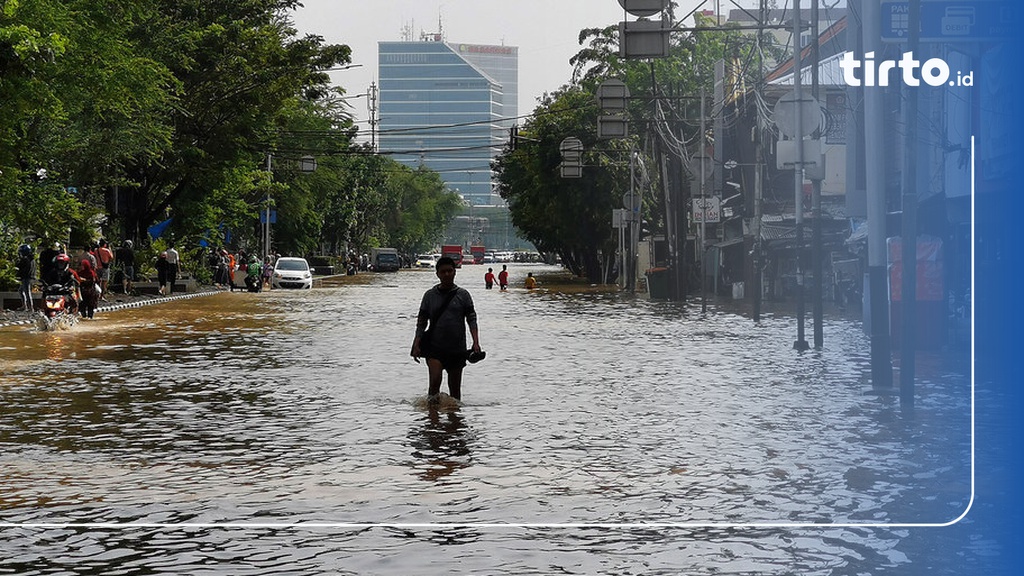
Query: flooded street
[592, 408]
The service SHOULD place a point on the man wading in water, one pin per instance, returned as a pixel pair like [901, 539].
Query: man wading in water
[449, 309]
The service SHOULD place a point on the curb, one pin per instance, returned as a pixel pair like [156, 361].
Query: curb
[123, 305]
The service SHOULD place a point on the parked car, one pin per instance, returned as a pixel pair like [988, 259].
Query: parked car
[426, 261]
[290, 272]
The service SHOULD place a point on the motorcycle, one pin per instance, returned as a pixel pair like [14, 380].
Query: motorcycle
[60, 310]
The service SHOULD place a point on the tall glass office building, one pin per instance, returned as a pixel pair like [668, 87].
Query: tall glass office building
[449, 107]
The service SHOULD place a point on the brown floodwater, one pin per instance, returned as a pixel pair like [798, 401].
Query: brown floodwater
[285, 432]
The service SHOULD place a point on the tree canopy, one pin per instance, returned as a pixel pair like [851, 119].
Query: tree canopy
[573, 217]
[119, 115]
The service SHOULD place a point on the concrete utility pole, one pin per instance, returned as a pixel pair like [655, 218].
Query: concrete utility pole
[756, 226]
[874, 167]
[816, 247]
[758, 162]
[703, 208]
[798, 182]
[909, 257]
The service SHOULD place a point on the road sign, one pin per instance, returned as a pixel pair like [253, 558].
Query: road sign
[612, 95]
[631, 201]
[707, 210]
[571, 149]
[787, 108]
[951, 21]
[643, 7]
[263, 216]
[644, 38]
[619, 217]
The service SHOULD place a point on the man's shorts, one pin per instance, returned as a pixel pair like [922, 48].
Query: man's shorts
[449, 361]
[105, 273]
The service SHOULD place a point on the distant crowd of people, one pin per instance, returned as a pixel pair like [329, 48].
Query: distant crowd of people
[98, 269]
[92, 271]
[224, 265]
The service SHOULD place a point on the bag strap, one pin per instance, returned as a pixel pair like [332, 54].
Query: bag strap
[444, 306]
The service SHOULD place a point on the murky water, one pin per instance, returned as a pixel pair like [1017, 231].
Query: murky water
[591, 408]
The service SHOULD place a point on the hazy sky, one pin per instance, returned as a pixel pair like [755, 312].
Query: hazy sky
[545, 31]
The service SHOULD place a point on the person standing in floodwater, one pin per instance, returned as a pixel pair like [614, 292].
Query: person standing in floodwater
[448, 309]
[503, 277]
[489, 279]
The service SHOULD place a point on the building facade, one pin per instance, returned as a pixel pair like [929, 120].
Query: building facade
[448, 107]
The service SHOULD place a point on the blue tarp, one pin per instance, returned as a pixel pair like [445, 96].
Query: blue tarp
[157, 230]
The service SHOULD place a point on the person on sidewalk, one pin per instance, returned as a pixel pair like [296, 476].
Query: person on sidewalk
[105, 261]
[172, 267]
[26, 270]
[124, 259]
[161, 273]
[447, 309]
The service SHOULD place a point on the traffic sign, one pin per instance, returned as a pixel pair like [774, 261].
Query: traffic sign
[631, 201]
[643, 7]
[708, 210]
[951, 21]
[786, 110]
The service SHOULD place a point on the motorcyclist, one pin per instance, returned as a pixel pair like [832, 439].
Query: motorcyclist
[253, 271]
[61, 274]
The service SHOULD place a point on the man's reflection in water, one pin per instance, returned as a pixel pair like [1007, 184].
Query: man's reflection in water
[440, 445]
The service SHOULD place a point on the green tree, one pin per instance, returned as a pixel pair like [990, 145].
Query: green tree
[77, 102]
[573, 217]
[239, 64]
[570, 217]
[426, 207]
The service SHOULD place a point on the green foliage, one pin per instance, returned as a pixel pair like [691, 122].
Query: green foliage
[571, 217]
[115, 115]
[425, 208]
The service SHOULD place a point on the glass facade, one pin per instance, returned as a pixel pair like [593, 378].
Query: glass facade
[448, 106]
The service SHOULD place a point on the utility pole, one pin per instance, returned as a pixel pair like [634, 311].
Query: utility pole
[816, 247]
[909, 257]
[758, 192]
[798, 183]
[372, 106]
[874, 168]
[703, 207]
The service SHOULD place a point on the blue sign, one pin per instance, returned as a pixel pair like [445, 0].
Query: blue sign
[951, 21]
[263, 216]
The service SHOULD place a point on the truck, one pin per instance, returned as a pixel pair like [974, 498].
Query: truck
[453, 251]
[478, 253]
[385, 260]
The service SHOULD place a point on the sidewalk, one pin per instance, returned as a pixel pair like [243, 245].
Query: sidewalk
[116, 302]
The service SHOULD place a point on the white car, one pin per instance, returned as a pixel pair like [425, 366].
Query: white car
[426, 261]
[292, 272]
